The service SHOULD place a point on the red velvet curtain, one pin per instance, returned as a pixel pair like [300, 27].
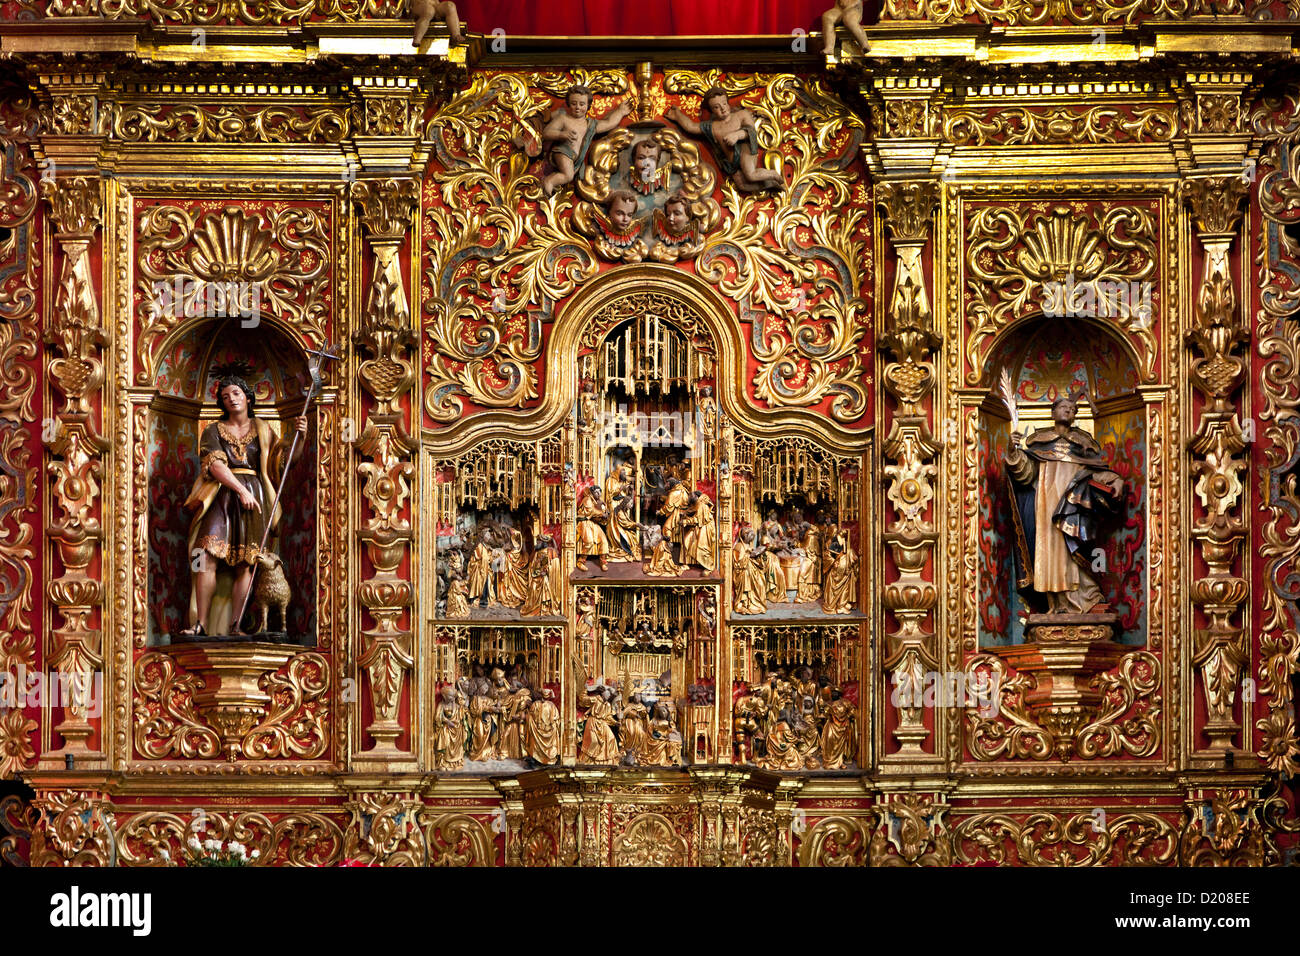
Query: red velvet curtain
[643, 17]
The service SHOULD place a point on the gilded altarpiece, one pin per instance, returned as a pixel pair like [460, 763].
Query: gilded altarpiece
[643, 504]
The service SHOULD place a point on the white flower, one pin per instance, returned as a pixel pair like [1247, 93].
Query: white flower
[212, 846]
[239, 850]
[166, 855]
[256, 854]
[193, 844]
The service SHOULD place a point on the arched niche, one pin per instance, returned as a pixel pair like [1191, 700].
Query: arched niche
[1046, 358]
[192, 359]
[693, 306]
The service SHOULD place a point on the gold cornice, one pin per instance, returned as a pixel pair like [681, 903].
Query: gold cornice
[561, 368]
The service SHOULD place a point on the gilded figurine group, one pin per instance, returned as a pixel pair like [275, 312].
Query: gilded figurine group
[640, 731]
[493, 567]
[800, 564]
[795, 722]
[492, 717]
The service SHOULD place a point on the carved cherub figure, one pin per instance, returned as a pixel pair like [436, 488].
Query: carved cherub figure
[676, 232]
[620, 230]
[848, 12]
[567, 136]
[733, 135]
[647, 175]
[426, 11]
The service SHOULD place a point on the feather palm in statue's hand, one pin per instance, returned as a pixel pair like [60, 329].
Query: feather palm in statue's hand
[1009, 399]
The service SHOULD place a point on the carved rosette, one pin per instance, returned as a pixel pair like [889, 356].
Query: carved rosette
[1218, 371]
[387, 374]
[910, 449]
[76, 370]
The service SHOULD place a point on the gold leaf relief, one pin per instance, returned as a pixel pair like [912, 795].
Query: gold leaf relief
[1026, 258]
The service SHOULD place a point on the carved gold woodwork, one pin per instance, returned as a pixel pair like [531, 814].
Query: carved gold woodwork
[709, 817]
[683, 159]
[1219, 651]
[386, 210]
[76, 368]
[1063, 662]
[1115, 836]
[384, 828]
[1277, 344]
[275, 260]
[836, 841]
[298, 838]
[1022, 258]
[1022, 126]
[387, 652]
[485, 343]
[911, 831]
[1225, 827]
[910, 448]
[1119, 715]
[495, 319]
[20, 469]
[201, 701]
[73, 827]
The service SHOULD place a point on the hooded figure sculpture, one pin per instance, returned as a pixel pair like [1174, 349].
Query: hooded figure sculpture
[1062, 489]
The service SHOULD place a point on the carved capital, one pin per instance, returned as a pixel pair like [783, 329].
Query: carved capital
[911, 831]
[73, 828]
[1224, 827]
[76, 205]
[384, 829]
[908, 207]
[387, 206]
[1215, 202]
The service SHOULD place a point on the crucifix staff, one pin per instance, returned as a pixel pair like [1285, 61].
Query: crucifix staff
[309, 393]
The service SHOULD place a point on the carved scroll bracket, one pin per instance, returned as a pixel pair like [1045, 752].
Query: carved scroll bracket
[910, 451]
[1218, 370]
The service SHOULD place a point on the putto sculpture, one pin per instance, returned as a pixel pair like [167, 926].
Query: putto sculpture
[848, 12]
[733, 134]
[566, 137]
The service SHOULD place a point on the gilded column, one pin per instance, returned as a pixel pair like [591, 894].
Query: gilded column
[76, 368]
[909, 449]
[387, 374]
[1217, 372]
